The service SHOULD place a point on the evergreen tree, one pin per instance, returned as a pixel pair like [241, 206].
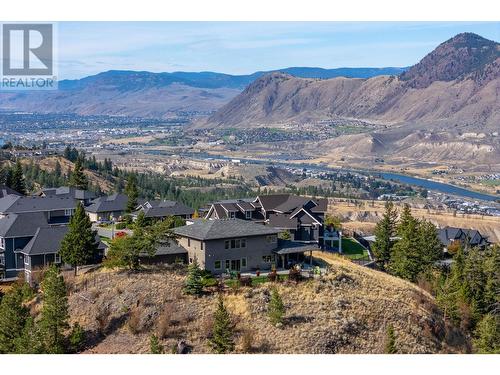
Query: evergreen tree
[194, 285]
[18, 182]
[492, 272]
[79, 245]
[76, 338]
[78, 179]
[58, 170]
[487, 335]
[13, 316]
[132, 193]
[390, 341]
[155, 346]
[54, 316]
[222, 334]
[30, 340]
[450, 294]
[474, 282]
[141, 221]
[276, 309]
[385, 229]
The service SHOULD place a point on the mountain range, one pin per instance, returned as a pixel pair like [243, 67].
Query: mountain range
[457, 84]
[156, 95]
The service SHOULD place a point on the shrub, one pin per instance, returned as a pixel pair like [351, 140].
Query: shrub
[76, 338]
[102, 319]
[155, 346]
[121, 225]
[294, 275]
[272, 276]
[134, 321]
[276, 308]
[247, 340]
[164, 319]
[390, 341]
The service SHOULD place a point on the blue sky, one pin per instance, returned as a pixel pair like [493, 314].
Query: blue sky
[87, 48]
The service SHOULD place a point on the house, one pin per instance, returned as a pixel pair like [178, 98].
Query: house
[57, 210]
[156, 209]
[229, 244]
[83, 196]
[108, 207]
[43, 250]
[302, 217]
[465, 237]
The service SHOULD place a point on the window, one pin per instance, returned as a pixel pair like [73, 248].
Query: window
[243, 242]
[248, 214]
[218, 264]
[268, 258]
[27, 260]
[232, 215]
[243, 262]
[189, 242]
[2, 242]
[233, 244]
[271, 239]
[201, 245]
[228, 264]
[237, 244]
[57, 258]
[68, 212]
[226, 244]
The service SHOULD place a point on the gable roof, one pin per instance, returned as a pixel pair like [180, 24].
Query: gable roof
[287, 203]
[108, 203]
[5, 190]
[22, 224]
[159, 208]
[223, 228]
[18, 204]
[67, 191]
[45, 241]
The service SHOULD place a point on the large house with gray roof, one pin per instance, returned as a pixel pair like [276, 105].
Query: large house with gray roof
[108, 207]
[229, 244]
[160, 209]
[83, 196]
[302, 217]
[465, 237]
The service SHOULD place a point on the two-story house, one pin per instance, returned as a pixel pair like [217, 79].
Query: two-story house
[302, 217]
[158, 209]
[57, 210]
[229, 244]
[83, 196]
[108, 207]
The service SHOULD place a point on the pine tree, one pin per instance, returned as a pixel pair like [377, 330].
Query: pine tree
[140, 221]
[222, 334]
[13, 316]
[30, 340]
[18, 182]
[487, 335]
[132, 193]
[155, 346]
[194, 284]
[474, 282]
[276, 309]
[385, 229]
[390, 341]
[54, 316]
[79, 245]
[491, 270]
[78, 179]
[76, 338]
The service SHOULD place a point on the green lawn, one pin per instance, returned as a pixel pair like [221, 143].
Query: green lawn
[353, 249]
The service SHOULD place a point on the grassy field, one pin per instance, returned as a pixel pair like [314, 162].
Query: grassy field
[352, 249]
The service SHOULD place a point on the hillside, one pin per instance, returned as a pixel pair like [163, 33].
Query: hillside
[347, 311]
[454, 85]
[155, 95]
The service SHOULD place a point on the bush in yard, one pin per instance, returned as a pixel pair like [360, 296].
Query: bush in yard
[155, 346]
[222, 333]
[272, 276]
[294, 275]
[276, 310]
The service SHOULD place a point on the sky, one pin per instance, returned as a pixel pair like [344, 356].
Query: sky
[87, 48]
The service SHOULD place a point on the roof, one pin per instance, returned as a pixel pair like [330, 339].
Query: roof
[448, 234]
[283, 221]
[45, 241]
[164, 208]
[223, 228]
[289, 202]
[170, 249]
[22, 224]
[17, 204]
[68, 191]
[108, 203]
[5, 190]
[293, 247]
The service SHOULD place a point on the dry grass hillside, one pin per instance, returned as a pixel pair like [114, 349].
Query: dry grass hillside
[346, 311]
[364, 216]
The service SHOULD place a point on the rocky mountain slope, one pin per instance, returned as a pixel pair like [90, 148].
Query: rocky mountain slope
[156, 95]
[346, 311]
[457, 84]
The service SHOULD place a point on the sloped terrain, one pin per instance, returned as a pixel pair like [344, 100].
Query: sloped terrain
[346, 311]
